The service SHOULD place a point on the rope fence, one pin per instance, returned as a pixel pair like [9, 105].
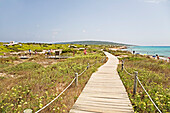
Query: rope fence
[127, 71]
[135, 85]
[56, 97]
[76, 84]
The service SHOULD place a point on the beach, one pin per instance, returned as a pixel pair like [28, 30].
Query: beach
[162, 51]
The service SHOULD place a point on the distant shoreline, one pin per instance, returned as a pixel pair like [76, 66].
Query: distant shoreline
[162, 51]
[165, 58]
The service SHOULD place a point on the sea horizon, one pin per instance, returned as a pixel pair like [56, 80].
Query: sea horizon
[163, 51]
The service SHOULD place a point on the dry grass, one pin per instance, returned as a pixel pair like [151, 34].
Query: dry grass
[38, 85]
[154, 75]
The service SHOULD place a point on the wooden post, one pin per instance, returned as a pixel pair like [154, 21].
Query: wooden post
[76, 81]
[122, 64]
[88, 66]
[135, 83]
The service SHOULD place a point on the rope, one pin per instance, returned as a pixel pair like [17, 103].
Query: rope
[144, 90]
[148, 95]
[94, 63]
[125, 68]
[82, 72]
[127, 71]
[64, 89]
[86, 69]
[57, 96]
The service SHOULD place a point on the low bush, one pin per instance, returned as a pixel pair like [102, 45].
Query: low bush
[38, 87]
[22, 67]
[155, 76]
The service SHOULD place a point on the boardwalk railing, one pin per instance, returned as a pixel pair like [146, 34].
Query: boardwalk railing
[135, 85]
[76, 84]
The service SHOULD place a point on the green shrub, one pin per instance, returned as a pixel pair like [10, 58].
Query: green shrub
[153, 75]
[41, 85]
[23, 67]
[67, 50]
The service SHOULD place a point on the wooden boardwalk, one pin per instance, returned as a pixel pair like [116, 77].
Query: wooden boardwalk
[104, 92]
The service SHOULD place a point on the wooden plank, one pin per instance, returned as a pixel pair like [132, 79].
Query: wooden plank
[104, 92]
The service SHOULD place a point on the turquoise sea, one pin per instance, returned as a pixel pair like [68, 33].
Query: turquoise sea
[151, 50]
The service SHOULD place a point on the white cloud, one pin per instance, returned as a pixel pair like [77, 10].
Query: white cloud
[84, 31]
[155, 1]
[56, 29]
[98, 30]
[55, 32]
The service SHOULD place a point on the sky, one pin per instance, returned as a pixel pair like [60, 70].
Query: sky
[139, 22]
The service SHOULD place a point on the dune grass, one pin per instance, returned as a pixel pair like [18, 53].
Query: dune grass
[154, 75]
[39, 85]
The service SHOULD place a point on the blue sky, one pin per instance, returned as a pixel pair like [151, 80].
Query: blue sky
[142, 22]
